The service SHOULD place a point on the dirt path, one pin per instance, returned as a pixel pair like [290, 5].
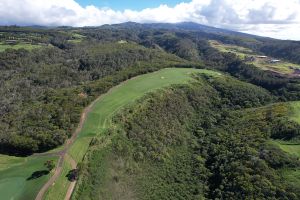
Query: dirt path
[51, 181]
[73, 183]
[63, 153]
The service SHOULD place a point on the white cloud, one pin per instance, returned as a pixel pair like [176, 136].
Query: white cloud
[273, 18]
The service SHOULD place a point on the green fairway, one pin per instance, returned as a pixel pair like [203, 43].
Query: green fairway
[122, 95]
[59, 189]
[15, 181]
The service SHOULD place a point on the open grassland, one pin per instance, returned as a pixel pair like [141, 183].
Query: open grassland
[3, 47]
[19, 177]
[100, 116]
[243, 53]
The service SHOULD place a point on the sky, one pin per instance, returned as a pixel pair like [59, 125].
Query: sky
[129, 4]
[272, 18]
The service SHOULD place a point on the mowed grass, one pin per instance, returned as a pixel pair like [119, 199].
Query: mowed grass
[60, 187]
[292, 148]
[100, 116]
[3, 47]
[14, 177]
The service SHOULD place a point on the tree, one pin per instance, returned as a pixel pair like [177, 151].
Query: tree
[49, 164]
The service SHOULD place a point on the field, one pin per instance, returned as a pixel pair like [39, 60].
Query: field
[16, 180]
[3, 47]
[99, 118]
[243, 53]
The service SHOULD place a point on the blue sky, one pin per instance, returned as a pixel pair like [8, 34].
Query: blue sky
[129, 4]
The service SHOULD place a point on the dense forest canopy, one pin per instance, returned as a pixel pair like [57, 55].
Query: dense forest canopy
[44, 89]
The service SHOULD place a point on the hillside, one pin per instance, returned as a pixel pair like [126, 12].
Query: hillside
[148, 111]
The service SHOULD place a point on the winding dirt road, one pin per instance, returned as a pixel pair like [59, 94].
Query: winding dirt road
[73, 183]
[62, 155]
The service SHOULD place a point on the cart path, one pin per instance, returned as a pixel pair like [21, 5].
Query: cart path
[62, 153]
[69, 142]
[51, 181]
[73, 183]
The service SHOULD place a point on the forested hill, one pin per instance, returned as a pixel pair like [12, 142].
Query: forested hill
[48, 75]
[230, 132]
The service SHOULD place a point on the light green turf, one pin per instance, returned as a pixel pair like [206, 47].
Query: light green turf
[10, 161]
[3, 47]
[13, 179]
[288, 147]
[100, 116]
[59, 189]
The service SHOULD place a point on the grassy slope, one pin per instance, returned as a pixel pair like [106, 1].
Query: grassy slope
[99, 118]
[241, 52]
[103, 110]
[14, 174]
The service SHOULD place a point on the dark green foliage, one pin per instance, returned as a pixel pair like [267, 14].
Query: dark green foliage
[276, 158]
[195, 142]
[44, 90]
[285, 129]
[49, 164]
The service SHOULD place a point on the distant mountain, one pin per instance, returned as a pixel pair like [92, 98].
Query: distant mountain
[182, 26]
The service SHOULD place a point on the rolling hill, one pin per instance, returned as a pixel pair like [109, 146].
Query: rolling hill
[148, 111]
